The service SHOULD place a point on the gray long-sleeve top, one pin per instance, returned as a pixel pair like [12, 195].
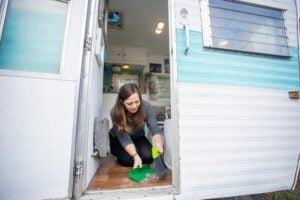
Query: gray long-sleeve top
[150, 120]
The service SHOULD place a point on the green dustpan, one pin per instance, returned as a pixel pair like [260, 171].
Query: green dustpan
[140, 174]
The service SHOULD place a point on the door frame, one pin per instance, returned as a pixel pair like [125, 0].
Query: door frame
[174, 97]
[82, 125]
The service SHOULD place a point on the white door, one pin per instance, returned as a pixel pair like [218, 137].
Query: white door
[90, 99]
[40, 44]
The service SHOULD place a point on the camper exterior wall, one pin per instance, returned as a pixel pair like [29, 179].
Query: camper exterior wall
[236, 141]
[238, 129]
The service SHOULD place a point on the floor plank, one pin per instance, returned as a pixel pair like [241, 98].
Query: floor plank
[112, 176]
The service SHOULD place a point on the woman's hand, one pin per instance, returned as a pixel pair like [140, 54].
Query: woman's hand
[131, 150]
[159, 147]
[157, 141]
[137, 161]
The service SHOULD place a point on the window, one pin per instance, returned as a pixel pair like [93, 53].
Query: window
[230, 25]
[32, 36]
[3, 8]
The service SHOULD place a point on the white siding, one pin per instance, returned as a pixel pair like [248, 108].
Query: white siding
[235, 140]
[194, 19]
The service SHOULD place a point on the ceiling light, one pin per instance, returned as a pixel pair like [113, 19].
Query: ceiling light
[159, 27]
[158, 31]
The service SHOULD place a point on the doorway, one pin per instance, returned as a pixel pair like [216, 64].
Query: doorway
[137, 51]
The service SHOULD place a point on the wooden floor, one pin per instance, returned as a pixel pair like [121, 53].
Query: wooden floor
[112, 176]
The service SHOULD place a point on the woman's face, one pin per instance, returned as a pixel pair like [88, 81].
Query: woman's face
[132, 104]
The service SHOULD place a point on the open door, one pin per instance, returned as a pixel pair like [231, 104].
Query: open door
[38, 90]
[90, 95]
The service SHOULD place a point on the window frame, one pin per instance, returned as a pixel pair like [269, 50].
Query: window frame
[208, 36]
[3, 9]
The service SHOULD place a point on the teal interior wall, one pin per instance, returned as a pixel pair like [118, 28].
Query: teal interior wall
[228, 68]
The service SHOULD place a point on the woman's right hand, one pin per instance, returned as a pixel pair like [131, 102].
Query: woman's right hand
[137, 161]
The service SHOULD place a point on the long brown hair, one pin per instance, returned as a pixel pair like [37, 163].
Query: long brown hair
[120, 115]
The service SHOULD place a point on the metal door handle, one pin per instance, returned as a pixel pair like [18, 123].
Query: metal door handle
[187, 37]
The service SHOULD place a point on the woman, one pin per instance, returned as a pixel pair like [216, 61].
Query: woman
[127, 137]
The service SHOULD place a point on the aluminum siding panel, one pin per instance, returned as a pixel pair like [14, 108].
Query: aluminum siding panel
[238, 130]
[236, 140]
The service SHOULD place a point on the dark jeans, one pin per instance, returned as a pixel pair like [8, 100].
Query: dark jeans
[143, 148]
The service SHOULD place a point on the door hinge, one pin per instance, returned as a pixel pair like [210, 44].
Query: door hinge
[78, 171]
[87, 43]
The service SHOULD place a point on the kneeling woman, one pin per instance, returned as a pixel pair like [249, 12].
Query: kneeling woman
[127, 137]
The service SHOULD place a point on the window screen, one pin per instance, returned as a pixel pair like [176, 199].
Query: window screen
[32, 36]
[242, 27]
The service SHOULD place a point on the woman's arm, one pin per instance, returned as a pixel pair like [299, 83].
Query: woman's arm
[127, 144]
[131, 150]
[153, 126]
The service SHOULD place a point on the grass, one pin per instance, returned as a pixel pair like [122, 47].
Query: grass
[287, 195]
[284, 195]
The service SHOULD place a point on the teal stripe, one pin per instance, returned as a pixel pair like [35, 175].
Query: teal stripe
[220, 67]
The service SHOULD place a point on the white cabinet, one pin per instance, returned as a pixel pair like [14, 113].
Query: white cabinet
[126, 55]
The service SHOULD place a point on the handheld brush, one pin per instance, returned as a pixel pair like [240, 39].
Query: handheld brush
[159, 165]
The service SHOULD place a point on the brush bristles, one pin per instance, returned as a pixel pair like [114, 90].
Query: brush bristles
[160, 167]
